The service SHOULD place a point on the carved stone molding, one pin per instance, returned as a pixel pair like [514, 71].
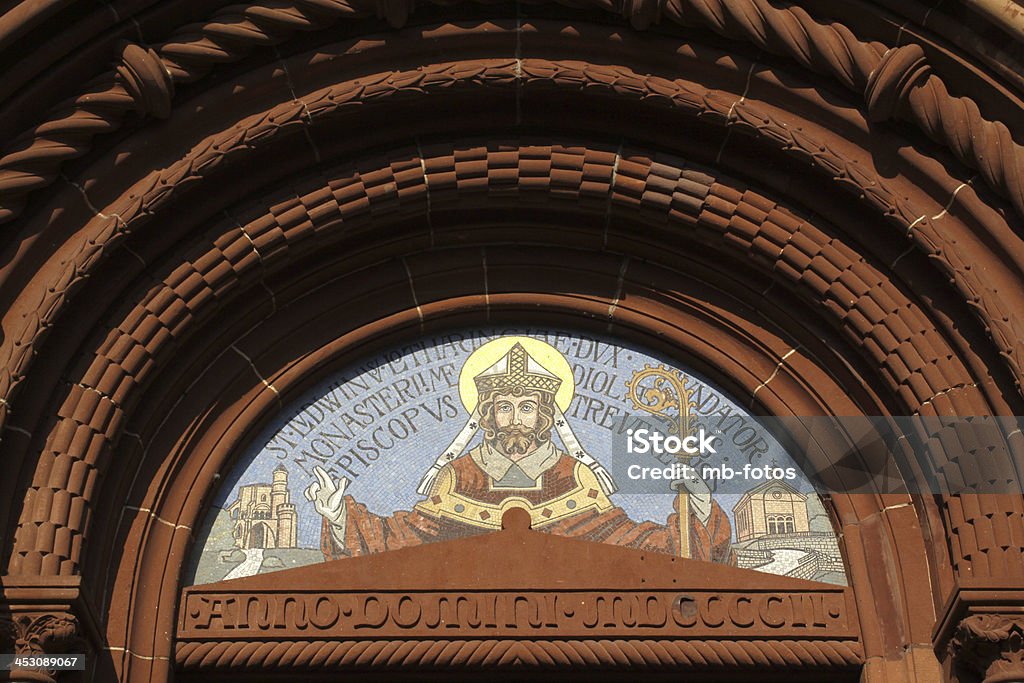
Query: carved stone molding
[231, 33]
[842, 266]
[991, 306]
[159, 189]
[146, 79]
[990, 645]
[888, 89]
[627, 609]
[637, 654]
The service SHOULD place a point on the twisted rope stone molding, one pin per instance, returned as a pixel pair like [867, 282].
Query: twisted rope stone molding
[917, 363]
[542, 655]
[894, 82]
[995, 309]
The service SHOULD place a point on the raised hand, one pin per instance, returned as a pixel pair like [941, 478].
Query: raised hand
[328, 496]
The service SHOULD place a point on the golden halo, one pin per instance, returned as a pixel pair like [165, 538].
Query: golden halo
[489, 354]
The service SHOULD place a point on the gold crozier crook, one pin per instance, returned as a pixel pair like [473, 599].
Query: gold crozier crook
[660, 391]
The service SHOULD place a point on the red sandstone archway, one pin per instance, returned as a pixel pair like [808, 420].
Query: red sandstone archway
[725, 207]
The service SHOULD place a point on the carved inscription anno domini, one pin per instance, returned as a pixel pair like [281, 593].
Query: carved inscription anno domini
[707, 614]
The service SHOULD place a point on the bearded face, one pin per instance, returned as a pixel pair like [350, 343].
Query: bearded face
[517, 421]
[516, 440]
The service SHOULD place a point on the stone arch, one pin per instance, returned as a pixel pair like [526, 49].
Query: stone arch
[248, 359]
[261, 536]
[937, 349]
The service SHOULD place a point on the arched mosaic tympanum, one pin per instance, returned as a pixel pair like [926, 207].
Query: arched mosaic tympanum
[436, 439]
